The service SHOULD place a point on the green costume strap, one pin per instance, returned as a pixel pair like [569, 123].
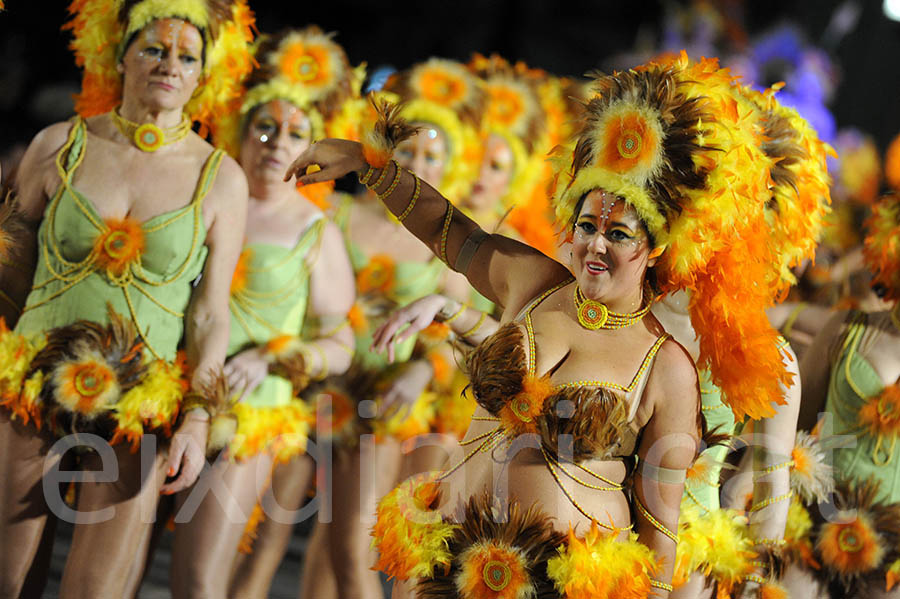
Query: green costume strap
[144, 270]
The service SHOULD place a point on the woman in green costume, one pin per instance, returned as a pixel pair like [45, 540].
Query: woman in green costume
[293, 267]
[851, 373]
[126, 210]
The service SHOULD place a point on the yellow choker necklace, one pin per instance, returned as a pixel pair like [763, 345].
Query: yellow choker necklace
[148, 137]
[594, 315]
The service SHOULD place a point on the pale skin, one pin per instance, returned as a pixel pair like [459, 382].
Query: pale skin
[206, 546]
[161, 69]
[772, 440]
[609, 262]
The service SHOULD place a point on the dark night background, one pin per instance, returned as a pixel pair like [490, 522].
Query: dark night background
[37, 72]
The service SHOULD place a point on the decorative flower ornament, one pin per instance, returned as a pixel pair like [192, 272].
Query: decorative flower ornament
[853, 547]
[881, 418]
[119, 246]
[377, 275]
[519, 414]
[493, 570]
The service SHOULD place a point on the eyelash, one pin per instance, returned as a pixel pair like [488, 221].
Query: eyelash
[616, 235]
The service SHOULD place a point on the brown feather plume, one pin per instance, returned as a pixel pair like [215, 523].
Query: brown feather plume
[12, 228]
[782, 142]
[496, 368]
[120, 347]
[529, 531]
[681, 118]
[293, 368]
[595, 419]
[389, 125]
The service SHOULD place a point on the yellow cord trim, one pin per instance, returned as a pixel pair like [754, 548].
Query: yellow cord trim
[412, 202]
[477, 325]
[771, 469]
[764, 504]
[658, 584]
[445, 231]
[653, 521]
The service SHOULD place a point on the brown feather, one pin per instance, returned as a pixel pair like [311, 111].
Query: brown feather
[389, 125]
[496, 368]
[12, 228]
[530, 531]
[117, 342]
[293, 368]
[595, 419]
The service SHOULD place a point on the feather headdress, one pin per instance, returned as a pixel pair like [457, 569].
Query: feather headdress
[881, 248]
[304, 67]
[513, 111]
[443, 93]
[687, 149]
[102, 29]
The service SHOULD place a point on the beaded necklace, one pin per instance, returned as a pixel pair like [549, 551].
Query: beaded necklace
[147, 136]
[594, 315]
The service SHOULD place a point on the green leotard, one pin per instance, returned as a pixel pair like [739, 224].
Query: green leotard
[273, 302]
[153, 292]
[853, 381]
[412, 280]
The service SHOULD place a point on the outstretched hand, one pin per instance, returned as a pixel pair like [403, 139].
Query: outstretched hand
[406, 322]
[335, 158]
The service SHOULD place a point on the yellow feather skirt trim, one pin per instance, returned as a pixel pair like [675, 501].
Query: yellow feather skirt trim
[281, 431]
[715, 543]
[151, 406]
[599, 566]
[409, 534]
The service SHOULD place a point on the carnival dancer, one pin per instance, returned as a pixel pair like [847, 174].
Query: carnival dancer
[293, 267]
[851, 373]
[127, 207]
[653, 142]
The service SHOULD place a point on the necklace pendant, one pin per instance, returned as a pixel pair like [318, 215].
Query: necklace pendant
[148, 137]
[592, 315]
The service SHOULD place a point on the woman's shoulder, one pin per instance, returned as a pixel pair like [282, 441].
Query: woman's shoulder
[673, 376]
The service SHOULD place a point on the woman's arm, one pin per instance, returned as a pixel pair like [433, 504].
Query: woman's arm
[35, 180]
[332, 291]
[772, 443]
[505, 271]
[815, 372]
[668, 446]
[207, 321]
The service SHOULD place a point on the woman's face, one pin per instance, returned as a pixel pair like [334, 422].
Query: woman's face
[610, 251]
[276, 133]
[495, 174]
[162, 66]
[425, 154]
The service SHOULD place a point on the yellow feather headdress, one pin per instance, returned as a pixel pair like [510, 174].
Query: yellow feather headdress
[514, 112]
[304, 67]
[102, 28]
[685, 147]
[443, 93]
[881, 248]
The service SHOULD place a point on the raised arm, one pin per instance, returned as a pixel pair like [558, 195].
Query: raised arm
[207, 321]
[504, 270]
[668, 446]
